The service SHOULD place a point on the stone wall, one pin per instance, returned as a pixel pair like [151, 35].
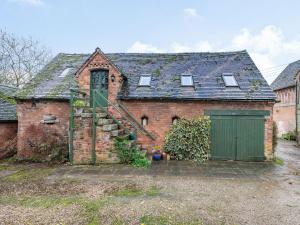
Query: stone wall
[160, 114]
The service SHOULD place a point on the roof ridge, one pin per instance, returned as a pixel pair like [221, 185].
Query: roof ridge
[161, 53]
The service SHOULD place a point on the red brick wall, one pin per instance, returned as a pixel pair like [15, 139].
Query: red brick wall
[8, 131]
[160, 114]
[30, 115]
[284, 113]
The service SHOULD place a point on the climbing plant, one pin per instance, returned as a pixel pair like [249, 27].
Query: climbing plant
[189, 139]
[130, 154]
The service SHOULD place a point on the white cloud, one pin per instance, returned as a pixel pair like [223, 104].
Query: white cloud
[190, 12]
[29, 2]
[268, 48]
[139, 47]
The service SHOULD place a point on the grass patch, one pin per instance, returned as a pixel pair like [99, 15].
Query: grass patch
[278, 161]
[36, 201]
[3, 167]
[29, 175]
[131, 191]
[90, 208]
[164, 220]
[134, 191]
[155, 220]
[153, 191]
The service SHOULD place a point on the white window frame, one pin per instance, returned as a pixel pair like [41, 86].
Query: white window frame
[65, 72]
[187, 85]
[230, 75]
[145, 76]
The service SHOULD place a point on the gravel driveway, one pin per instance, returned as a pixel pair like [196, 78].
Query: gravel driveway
[167, 193]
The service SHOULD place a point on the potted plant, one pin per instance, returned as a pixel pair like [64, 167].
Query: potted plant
[156, 153]
[79, 105]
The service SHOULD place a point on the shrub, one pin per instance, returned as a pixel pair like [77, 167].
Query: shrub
[275, 134]
[189, 139]
[79, 103]
[291, 136]
[130, 154]
[46, 145]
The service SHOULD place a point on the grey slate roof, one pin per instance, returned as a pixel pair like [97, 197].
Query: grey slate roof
[206, 69]
[287, 77]
[7, 104]
[48, 83]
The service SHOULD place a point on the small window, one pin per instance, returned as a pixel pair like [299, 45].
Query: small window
[175, 120]
[145, 80]
[229, 80]
[187, 80]
[65, 72]
[144, 121]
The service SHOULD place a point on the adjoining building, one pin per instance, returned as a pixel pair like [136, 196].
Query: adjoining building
[285, 88]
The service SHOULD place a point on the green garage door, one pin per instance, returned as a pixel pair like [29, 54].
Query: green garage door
[237, 135]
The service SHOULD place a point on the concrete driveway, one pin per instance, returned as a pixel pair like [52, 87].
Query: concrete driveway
[167, 193]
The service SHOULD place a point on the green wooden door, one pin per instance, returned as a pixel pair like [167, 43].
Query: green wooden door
[223, 137]
[237, 137]
[250, 138]
[99, 82]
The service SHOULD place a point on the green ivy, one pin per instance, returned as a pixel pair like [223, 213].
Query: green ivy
[189, 139]
[130, 154]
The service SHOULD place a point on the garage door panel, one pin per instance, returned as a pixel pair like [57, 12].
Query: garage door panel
[223, 130]
[250, 138]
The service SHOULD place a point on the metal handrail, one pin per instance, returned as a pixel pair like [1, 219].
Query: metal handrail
[136, 127]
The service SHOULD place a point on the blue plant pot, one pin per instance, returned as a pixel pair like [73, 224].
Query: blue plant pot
[156, 157]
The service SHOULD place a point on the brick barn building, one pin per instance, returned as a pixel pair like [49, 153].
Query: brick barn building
[147, 93]
[285, 88]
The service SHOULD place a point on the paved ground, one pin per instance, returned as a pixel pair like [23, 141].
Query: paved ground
[167, 193]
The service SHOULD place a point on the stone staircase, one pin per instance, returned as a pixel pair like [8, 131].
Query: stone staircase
[106, 131]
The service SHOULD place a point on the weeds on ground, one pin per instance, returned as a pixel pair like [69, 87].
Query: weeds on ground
[134, 191]
[165, 220]
[3, 167]
[90, 208]
[278, 161]
[29, 175]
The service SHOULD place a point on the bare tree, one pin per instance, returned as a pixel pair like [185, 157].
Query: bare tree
[20, 58]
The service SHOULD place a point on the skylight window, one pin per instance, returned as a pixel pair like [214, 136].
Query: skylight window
[229, 80]
[145, 80]
[65, 72]
[187, 80]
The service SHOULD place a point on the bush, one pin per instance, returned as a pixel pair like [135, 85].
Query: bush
[46, 145]
[79, 103]
[189, 139]
[275, 134]
[130, 154]
[291, 136]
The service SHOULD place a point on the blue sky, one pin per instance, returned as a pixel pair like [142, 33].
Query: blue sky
[269, 30]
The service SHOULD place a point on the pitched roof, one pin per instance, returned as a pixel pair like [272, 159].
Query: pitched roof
[50, 82]
[287, 77]
[166, 69]
[7, 103]
[206, 69]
